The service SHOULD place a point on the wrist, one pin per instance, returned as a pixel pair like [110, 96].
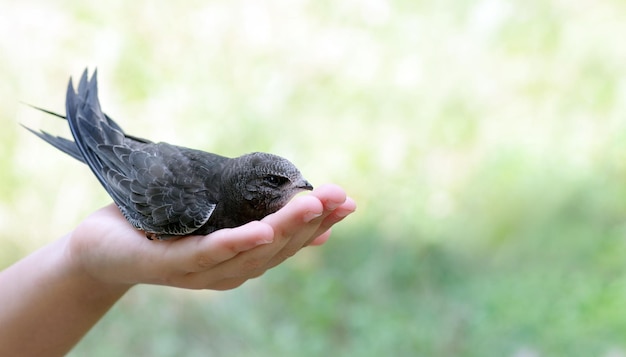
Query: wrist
[76, 265]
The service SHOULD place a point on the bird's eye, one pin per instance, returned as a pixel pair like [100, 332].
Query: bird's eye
[275, 180]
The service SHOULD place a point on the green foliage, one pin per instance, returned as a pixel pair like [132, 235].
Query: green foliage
[484, 143]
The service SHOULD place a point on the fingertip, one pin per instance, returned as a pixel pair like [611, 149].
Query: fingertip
[313, 209]
[331, 195]
[311, 205]
[349, 205]
[255, 232]
[346, 209]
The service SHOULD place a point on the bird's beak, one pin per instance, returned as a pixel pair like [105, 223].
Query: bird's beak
[304, 185]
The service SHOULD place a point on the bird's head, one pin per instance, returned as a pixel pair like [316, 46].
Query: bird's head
[267, 182]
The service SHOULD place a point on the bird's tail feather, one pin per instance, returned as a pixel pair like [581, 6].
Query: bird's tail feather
[89, 126]
[67, 146]
[110, 121]
[45, 111]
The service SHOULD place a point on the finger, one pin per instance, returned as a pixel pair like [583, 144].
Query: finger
[296, 215]
[200, 253]
[293, 227]
[321, 239]
[348, 207]
[327, 220]
[291, 250]
[286, 223]
[322, 230]
[335, 204]
[331, 196]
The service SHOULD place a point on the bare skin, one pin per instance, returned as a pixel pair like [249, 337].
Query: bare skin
[52, 297]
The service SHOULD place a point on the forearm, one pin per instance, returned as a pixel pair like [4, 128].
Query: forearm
[47, 303]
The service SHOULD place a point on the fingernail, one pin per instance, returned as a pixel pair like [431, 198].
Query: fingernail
[264, 241]
[309, 216]
[342, 213]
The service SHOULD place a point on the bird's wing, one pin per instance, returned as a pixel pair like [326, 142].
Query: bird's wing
[150, 183]
[157, 188]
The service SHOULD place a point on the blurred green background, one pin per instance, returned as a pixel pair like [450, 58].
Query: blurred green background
[484, 142]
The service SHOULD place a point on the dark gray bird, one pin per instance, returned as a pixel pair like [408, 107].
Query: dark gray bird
[170, 191]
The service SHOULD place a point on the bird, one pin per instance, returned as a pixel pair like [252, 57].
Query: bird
[169, 191]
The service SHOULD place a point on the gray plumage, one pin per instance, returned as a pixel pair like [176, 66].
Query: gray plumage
[168, 190]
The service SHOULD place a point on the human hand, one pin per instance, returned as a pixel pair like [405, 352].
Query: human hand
[108, 249]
